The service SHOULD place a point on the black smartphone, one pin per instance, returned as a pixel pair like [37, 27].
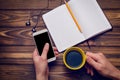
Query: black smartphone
[41, 37]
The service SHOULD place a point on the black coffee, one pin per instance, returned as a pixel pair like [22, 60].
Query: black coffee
[74, 58]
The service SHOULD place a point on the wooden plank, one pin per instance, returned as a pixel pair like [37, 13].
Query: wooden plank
[49, 4]
[17, 49]
[15, 61]
[109, 4]
[16, 55]
[113, 16]
[54, 3]
[18, 18]
[17, 72]
[19, 35]
[29, 4]
[27, 50]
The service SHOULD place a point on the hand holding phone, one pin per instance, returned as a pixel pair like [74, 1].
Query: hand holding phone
[40, 63]
[41, 37]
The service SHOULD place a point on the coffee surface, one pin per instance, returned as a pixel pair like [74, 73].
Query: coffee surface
[74, 58]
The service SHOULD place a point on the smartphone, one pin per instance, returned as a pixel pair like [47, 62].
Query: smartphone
[41, 37]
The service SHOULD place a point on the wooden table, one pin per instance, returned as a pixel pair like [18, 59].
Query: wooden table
[16, 42]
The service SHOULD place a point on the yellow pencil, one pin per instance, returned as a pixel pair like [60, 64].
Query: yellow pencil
[71, 13]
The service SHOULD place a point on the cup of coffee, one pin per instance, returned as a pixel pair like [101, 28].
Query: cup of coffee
[74, 58]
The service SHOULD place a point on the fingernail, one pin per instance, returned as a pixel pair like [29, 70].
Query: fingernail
[46, 44]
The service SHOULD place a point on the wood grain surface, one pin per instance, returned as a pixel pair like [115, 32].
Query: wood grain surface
[17, 45]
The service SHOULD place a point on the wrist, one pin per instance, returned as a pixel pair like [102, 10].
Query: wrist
[41, 77]
[115, 74]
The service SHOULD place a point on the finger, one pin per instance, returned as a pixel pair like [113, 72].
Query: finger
[55, 49]
[88, 70]
[87, 67]
[92, 62]
[45, 51]
[101, 55]
[56, 53]
[91, 71]
[35, 57]
[92, 74]
[35, 53]
[92, 55]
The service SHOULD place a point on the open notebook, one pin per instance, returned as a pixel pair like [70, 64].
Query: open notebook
[63, 29]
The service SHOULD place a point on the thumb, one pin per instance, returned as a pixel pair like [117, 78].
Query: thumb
[45, 51]
[92, 62]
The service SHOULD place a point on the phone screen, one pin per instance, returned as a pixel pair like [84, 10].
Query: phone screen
[40, 40]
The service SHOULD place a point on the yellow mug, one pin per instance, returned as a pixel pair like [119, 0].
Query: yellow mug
[74, 58]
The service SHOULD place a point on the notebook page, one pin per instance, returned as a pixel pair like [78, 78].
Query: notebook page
[90, 17]
[62, 28]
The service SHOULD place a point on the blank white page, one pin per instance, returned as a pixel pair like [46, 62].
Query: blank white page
[90, 17]
[62, 28]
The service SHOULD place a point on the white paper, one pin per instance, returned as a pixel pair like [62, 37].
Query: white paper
[90, 17]
[62, 28]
